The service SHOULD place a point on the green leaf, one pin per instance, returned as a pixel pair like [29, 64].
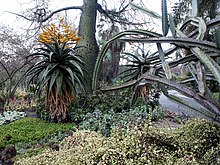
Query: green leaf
[41, 84]
[208, 61]
[53, 78]
[188, 42]
[192, 70]
[70, 73]
[201, 25]
[107, 44]
[50, 56]
[172, 25]
[165, 26]
[78, 67]
[194, 8]
[217, 37]
[193, 108]
[145, 10]
[59, 82]
[165, 65]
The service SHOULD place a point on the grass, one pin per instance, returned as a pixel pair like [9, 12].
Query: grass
[28, 130]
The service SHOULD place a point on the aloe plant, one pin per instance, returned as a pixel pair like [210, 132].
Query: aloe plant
[158, 69]
[59, 70]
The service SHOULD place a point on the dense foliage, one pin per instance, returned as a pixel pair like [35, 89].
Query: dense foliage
[138, 145]
[59, 70]
[28, 130]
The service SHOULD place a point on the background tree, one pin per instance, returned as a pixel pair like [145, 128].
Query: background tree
[14, 50]
[119, 17]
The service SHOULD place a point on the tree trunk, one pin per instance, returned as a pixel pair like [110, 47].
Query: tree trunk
[87, 29]
[217, 8]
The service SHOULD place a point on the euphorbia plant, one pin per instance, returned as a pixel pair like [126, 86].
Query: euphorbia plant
[58, 70]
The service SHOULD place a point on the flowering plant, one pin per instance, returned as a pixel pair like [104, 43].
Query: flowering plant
[59, 70]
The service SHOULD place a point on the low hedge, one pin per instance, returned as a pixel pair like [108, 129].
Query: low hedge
[27, 130]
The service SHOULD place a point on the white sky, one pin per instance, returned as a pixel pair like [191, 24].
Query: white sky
[17, 6]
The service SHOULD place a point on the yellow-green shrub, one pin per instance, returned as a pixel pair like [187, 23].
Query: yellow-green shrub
[137, 146]
[198, 136]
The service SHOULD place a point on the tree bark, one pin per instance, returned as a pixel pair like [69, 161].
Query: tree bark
[87, 29]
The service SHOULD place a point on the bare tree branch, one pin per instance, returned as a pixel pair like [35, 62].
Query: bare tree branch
[59, 10]
[110, 14]
[50, 15]
[20, 15]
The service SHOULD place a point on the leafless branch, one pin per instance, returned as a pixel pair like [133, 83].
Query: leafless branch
[113, 15]
[20, 15]
[59, 10]
[50, 15]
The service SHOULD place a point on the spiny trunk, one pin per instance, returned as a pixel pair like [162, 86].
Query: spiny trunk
[87, 29]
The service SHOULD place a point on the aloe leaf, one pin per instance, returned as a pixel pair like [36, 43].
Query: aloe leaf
[41, 84]
[165, 65]
[193, 108]
[177, 41]
[180, 33]
[208, 61]
[202, 27]
[194, 8]
[145, 10]
[78, 67]
[165, 26]
[107, 44]
[217, 37]
[201, 78]
[122, 86]
[79, 81]
[59, 81]
[192, 70]
[50, 56]
[172, 25]
[70, 73]
[199, 23]
[53, 79]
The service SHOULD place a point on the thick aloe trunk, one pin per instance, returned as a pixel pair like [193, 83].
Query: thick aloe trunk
[87, 30]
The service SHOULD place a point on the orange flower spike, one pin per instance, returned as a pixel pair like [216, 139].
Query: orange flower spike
[75, 38]
[61, 20]
[63, 40]
[74, 32]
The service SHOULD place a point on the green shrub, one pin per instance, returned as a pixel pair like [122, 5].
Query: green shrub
[212, 156]
[104, 121]
[117, 101]
[135, 146]
[198, 136]
[28, 130]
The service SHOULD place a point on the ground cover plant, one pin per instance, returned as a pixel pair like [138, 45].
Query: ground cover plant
[9, 116]
[139, 145]
[29, 130]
